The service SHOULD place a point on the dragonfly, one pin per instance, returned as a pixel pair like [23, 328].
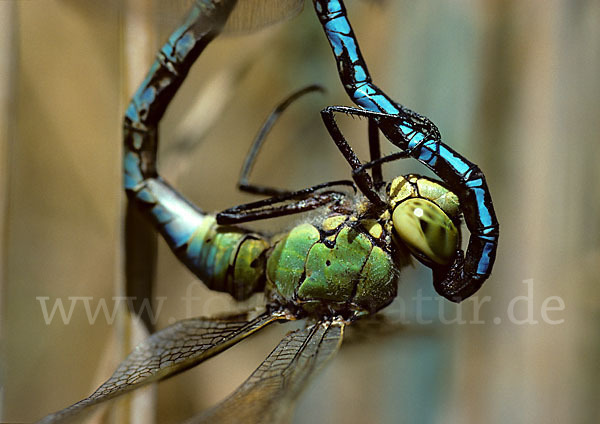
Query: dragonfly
[338, 267]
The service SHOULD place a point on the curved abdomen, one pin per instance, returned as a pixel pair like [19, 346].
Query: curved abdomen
[226, 259]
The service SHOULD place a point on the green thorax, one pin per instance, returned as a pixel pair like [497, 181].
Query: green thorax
[340, 265]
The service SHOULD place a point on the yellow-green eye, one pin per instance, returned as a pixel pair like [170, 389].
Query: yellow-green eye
[426, 230]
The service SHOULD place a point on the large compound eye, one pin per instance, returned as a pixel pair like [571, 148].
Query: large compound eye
[426, 229]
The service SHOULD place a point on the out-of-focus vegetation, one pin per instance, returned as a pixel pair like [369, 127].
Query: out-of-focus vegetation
[512, 84]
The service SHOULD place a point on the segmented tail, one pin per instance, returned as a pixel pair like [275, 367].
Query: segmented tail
[225, 259]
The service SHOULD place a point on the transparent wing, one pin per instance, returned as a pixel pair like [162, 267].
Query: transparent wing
[250, 15]
[247, 16]
[166, 353]
[269, 393]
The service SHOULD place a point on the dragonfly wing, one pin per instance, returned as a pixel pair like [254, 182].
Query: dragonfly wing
[166, 353]
[248, 15]
[268, 395]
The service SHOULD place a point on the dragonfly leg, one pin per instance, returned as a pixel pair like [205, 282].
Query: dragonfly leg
[385, 159]
[375, 153]
[243, 182]
[286, 204]
[365, 183]
[375, 118]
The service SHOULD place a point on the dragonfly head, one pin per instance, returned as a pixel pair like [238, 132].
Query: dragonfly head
[425, 217]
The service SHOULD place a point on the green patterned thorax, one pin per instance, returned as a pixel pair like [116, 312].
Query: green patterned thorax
[285, 266]
[333, 266]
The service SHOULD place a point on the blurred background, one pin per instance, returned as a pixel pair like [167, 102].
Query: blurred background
[512, 84]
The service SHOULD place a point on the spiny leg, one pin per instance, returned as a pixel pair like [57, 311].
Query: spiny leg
[361, 177]
[264, 210]
[243, 182]
[359, 169]
[385, 159]
[466, 274]
[285, 204]
[375, 153]
[375, 118]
